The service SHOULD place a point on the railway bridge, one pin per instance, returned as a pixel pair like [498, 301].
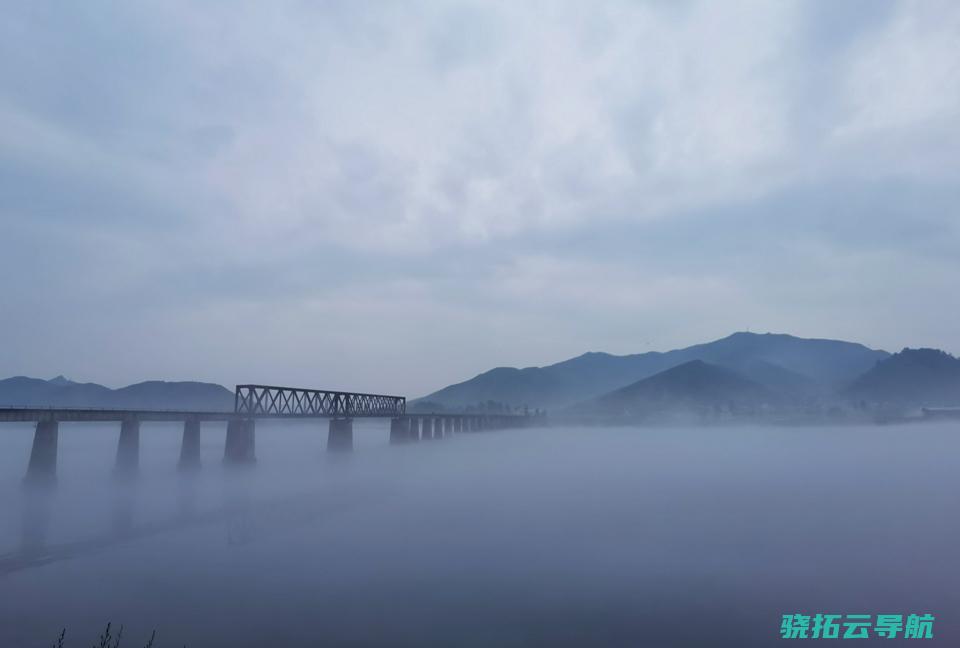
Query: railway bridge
[251, 403]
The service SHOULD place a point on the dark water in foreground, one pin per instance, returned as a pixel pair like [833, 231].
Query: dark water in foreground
[555, 537]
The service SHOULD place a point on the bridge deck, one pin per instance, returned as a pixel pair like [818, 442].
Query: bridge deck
[83, 414]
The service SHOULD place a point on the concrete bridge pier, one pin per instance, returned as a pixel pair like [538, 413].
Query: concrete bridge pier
[190, 446]
[42, 469]
[240, 446]
[128, 449]
[438, 428]
[399, 430]
[430, 428]
[414, 428]
[340, 437]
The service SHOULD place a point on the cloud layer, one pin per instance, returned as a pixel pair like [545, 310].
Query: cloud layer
[392, 196]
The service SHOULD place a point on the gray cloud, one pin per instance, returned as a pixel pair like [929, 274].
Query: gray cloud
[330, 194]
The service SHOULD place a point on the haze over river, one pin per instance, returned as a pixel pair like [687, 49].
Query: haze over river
[561, 536]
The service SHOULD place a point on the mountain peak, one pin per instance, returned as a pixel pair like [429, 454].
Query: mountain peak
[926, 356]
[63, 392]
[694, 386]
[919, 376]
[784, 363]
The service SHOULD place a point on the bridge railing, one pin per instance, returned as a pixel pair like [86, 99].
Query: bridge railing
[268, 400]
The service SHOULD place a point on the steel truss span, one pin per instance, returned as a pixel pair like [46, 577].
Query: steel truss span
[266, 400]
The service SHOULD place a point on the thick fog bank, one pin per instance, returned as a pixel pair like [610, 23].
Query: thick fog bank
[559, 536]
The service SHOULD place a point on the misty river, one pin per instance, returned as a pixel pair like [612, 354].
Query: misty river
[553, 536]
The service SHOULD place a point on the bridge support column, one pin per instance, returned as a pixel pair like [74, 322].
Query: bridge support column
[438, 426]
[399, 430]
[340, 437]
[240, 446]
[42, 469]
[128, 449]
[430, 428]
[414, 428]
[190, 446]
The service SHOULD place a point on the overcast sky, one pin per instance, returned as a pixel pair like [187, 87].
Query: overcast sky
[393, 196]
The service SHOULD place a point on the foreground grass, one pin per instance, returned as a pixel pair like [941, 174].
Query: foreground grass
[107, 640]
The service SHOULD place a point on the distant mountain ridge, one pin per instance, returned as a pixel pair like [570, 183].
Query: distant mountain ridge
[21, 391]
[741, 371]
[781, 363]
[917, 376]
[692, 387]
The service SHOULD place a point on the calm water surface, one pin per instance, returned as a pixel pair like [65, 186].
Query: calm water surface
[580, 537]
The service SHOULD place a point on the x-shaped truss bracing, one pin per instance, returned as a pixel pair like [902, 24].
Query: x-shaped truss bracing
[265, 400]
